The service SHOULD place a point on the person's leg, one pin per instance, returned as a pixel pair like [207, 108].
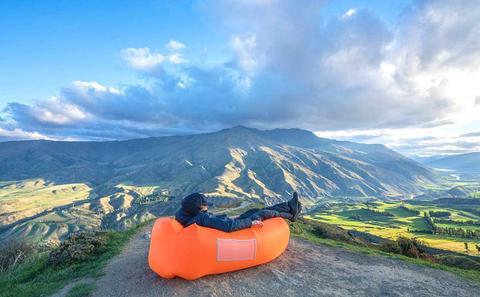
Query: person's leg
[280, 207]
[290, 206]
[278, 210]
[248, 213]
[264, 214]
[287, 210]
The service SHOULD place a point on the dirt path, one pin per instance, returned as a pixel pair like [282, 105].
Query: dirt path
[305, 269]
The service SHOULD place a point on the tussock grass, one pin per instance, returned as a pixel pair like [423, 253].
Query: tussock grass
[37, 277]
[13, 253]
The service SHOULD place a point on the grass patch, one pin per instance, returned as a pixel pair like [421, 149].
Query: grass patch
[36, 277]
[13, 253]
[26, 198]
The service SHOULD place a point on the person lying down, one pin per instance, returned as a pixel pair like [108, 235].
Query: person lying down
[194, 210]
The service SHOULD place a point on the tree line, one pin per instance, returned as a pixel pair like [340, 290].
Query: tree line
[413, 211]
[456, 222]
[378, 212]
[450, 231]
[439, 214]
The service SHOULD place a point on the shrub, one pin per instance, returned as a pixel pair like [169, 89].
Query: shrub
[404, 246]
[14, 252]
[412, 211]
[391, 247]
[458, 261]
[439, 214]
[77, 247]
[334, 232]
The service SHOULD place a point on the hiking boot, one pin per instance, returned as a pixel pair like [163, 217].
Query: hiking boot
[295, 207]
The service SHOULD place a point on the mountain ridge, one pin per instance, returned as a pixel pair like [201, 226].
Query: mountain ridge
[238, 161]
[468, 162]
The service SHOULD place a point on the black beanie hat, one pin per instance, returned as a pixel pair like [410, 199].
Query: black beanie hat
[192, 203]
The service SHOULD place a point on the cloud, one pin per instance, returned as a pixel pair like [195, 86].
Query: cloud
[289, 68]
[426, 141]
[175, 45]
[176, 58]
[244, 48]
[142, 58]
[18, 134]
[349, 13]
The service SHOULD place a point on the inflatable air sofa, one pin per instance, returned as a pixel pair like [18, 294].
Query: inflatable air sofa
[196, 251]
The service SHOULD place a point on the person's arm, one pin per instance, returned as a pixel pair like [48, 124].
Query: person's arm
[224, 224]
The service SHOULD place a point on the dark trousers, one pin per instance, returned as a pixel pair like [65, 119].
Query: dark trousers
[278, 210]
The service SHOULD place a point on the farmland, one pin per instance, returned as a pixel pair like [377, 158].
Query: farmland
[407, 218]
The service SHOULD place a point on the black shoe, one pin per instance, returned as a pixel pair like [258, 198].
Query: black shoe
[295, 207]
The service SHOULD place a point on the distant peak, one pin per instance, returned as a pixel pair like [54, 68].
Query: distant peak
[241, 127]
[294, 130]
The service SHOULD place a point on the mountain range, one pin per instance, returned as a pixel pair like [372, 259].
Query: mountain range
[49, 189]
[235, 162]
[469, 162]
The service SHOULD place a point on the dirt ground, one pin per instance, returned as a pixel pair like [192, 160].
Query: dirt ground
[305, 269]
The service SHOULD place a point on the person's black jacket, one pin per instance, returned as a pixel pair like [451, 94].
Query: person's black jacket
[220, 222]
[190, 214]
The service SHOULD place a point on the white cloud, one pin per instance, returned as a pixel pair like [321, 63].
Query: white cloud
[142, 58]
[58, 112]
[427, 141]
[88, 86]
[351, 76]
[175, 45]
[176, 58]
[349, 13]
[245, 50]
[18, 133]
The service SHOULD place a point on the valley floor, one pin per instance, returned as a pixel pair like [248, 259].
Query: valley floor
[406, 218]
[305, 269]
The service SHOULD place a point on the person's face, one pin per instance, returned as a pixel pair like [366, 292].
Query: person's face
[203, 208]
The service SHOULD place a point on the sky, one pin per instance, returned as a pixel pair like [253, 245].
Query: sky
[402, 73]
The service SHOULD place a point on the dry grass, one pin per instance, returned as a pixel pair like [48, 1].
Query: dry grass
[13, 253]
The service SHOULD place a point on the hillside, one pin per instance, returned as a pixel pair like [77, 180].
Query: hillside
[37, 210]
[50, 189]
[236, 162]
[463, 162]
[321, 260]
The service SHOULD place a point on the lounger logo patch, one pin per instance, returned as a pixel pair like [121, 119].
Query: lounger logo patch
[236, 249]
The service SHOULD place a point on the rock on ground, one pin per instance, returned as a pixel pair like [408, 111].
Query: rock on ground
[305, 269]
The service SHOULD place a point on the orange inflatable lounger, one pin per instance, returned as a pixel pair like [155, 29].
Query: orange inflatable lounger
[196, 251]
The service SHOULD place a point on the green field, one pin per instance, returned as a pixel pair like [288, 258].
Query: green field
[46, 212]
[23, 199]
[393, 219]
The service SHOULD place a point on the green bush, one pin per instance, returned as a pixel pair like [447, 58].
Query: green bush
[391, 247]
[458, 261]
[404, 246]
[77, 247]
[334, 232]
[439, 214]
